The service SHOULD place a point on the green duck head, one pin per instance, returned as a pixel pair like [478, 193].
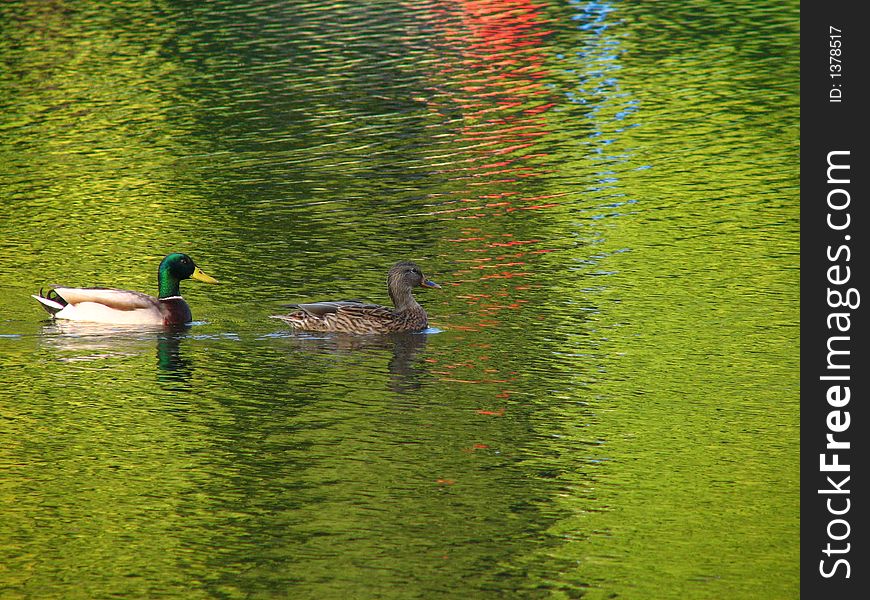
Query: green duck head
[173, 269]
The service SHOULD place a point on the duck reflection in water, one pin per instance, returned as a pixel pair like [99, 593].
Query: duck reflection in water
[404, 348]
[174, 370]
[83, 341]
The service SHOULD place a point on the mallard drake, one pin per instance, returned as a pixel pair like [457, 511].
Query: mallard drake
[124, 307]
[353, 316]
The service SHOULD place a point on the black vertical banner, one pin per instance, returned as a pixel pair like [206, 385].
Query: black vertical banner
[835, 69]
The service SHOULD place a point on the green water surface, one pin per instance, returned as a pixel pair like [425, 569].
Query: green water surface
[606, 405]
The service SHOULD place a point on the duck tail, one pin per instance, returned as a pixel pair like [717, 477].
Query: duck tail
[52, 302]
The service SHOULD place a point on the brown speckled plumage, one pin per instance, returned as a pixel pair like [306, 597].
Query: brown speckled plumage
[350, 316]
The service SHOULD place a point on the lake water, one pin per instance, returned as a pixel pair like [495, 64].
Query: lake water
[606, 404]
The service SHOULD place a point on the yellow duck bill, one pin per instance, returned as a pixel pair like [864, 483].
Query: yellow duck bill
[199, 275]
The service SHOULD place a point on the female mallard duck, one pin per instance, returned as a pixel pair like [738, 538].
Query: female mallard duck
[124, 307]
[351, 316]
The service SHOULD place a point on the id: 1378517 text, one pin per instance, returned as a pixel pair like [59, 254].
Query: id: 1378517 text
[835, 63]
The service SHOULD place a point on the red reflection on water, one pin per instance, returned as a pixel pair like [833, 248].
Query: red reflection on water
[491, 80]
[490, 87]
[492, 413]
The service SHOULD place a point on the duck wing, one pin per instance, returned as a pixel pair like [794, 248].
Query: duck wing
[320, 309]
[114, 299]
